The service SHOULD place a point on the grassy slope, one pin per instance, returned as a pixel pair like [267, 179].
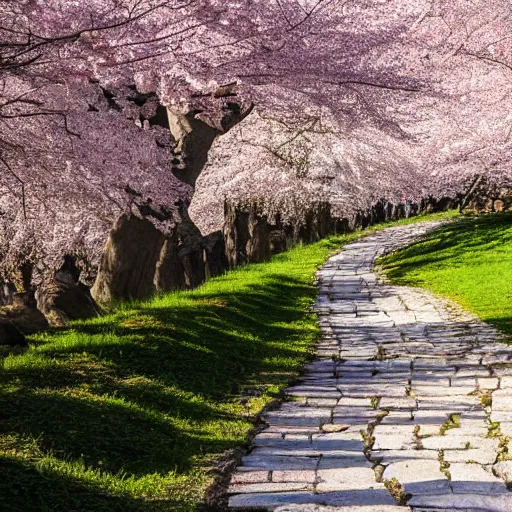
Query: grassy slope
[469, 261]
[125, 412]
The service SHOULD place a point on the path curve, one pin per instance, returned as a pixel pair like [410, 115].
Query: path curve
[399, 394]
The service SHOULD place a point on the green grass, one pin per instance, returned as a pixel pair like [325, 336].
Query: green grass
[128, 411]
[469, 261]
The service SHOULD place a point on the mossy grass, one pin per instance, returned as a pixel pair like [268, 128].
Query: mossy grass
[128, 411]
[468, 261]
[452, 422]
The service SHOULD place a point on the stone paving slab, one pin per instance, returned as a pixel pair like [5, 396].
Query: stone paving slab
[294, 476]
[477, 502]
[352, 478]
[484, 453]
[407, 393]
[473, 478]
[269, 487]
[271, 501]
[419, 476]
[356, 508]
[421, 509]
[273, 462]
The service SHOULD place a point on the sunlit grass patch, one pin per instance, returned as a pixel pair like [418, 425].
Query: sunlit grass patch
[128, 411]
[469, 261]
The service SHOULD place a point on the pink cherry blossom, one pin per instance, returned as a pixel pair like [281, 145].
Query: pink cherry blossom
[354, 100]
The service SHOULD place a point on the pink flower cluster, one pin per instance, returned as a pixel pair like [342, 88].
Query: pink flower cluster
[354, 100]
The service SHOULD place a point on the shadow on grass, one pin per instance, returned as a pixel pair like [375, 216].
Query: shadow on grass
[211, 344]
[23, 488]
[109, 435]
[503, 324]
[152, 390]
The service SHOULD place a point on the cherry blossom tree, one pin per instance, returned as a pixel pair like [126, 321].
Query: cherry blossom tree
[355, 100]
[74, 154]
[423, 96]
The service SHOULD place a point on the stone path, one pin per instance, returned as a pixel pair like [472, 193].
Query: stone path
[395, 413]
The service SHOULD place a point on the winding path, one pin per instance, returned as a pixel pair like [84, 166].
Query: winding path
[395, 412]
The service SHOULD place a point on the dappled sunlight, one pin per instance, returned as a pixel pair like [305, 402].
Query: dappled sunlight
[158, 387]
[132, 408]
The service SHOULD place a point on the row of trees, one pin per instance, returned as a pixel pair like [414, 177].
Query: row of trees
[390, 96]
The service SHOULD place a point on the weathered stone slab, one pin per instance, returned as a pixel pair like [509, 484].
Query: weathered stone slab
[453, 404]
[506, 380]
[304, 416]
[462, 502]
[473, 371]
[273, 463]
[430, 417]
[430, 380]
[391, 456]
[313, 391]
[331, 427]
[346, 508]
[394, 442]
[349, 460]
[394, 430]
[267, 439]
[346, 441]
[321, 402]
[466, 381]
[501, 416]
[269, 500]
[391, 404]
[346, 479]
[502, 401]
[361, 498]
[376, 497]
[398, 418]
[248, 477]
[370, 391]
[504, 470]
[435, 391]
[361, 420]
[364, 403]
[428, 430]
[421, 509]
[473, 478]
[489, 383]
[484, 453]
[292, 452]
[250, 488]
[294, 476]
[455, 442]
[287, 429]
[468, 430]
[418, 476]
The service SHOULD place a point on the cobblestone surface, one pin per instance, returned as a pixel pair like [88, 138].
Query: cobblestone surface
[406, 407]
